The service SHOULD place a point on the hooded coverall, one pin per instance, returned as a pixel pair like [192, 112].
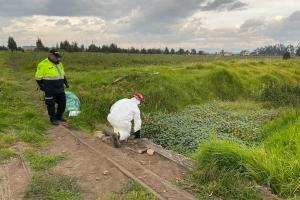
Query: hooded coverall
[122, 113]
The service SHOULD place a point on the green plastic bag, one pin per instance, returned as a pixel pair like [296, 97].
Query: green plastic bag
[73, 103]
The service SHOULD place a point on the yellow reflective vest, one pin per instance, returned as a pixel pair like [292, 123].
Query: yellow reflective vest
[50, 76]
[47, 70]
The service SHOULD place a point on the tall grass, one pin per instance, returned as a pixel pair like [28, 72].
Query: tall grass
[274, 164]
[169, 82]
[20, 118]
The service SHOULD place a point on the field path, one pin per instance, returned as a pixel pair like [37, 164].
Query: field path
[102, 169]
[13, 179]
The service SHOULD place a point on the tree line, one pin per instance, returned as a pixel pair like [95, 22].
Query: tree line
[112, 48]
[270, 50]
[278, 50]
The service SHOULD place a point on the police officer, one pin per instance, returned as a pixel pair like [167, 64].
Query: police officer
[50, 76]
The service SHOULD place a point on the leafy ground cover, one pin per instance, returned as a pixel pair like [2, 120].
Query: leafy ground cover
[184, 131]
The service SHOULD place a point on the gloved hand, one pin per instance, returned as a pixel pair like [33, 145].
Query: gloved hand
[42, 88]
[41, 85]
[137, 134]
[66, 82]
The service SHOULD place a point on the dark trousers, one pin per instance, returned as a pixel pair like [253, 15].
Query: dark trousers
[51, 100]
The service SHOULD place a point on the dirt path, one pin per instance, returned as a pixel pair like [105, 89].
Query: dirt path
[13, 180]
[102, 169]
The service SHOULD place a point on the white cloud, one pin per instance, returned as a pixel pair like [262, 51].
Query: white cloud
[201, 24]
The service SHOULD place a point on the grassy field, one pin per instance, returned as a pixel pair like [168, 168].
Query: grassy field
[23, 121]
[233, 108]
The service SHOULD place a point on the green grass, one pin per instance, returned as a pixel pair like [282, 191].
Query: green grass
[51, 187]
[20, 117]
[6, 153]
[133, 191]
[39, 161]
[274, 164]
[170, 83]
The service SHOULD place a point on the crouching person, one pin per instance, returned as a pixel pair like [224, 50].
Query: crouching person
[122, 113]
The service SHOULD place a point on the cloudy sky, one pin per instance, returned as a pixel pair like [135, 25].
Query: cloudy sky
[202, 24]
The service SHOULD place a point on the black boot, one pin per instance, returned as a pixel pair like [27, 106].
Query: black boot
[137, 135]
[61, 119]
[54, 122]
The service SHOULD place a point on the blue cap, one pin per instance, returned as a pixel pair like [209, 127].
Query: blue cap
[56, 53]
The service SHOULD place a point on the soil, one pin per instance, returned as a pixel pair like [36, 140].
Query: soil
[101, 169]
[14, 179]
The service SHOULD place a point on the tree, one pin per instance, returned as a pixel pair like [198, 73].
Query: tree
[65, 45]
[3, 48]
[172, 51]
[40, 46]
[193, 51]
[200, 52]
[181, 51]
[287, 56]
[12, 45]
[93, 48]
[82, 48]
[167, 50]
[298, 52]
[143, 51]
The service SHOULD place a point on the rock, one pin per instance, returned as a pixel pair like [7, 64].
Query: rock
[64, 151]
[105, 172]
[99, 134]
[97, 179]
[106, 139]
[142, 162]
[150, 152]
[141, 151]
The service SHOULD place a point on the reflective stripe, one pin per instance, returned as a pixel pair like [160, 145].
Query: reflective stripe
[58, 70]
[52, 78]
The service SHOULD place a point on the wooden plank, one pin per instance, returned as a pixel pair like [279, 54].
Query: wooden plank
[177, 158]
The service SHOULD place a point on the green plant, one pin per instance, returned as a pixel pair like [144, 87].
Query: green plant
[184, 131]
[50, 187]
[6, 154]
[133, 191]
[274, 163]
[39, 161]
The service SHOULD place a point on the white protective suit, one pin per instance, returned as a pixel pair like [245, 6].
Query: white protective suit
[122, 113]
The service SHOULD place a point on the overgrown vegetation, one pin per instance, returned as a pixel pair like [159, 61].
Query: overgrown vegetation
[275, 163]
[184, 131]
[172, 83]
[169, 82]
